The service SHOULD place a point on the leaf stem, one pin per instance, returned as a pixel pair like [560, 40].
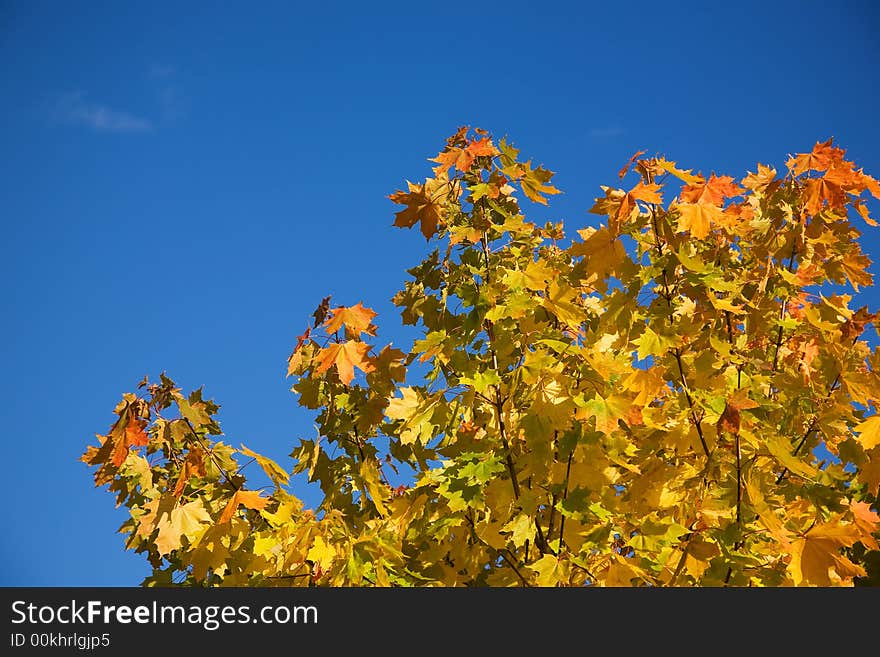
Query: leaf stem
[564, 496]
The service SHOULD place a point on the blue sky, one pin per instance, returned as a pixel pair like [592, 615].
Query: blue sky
[181, 186]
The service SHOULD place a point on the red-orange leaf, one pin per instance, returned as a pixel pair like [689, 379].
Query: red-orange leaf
[133, 436]
[872, 185]
[820, 191]
[729, 420]
[810, 351]
[482, 147]
[819, 159]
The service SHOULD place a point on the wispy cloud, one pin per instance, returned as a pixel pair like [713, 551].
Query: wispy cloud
[74, 108]
[606, 133]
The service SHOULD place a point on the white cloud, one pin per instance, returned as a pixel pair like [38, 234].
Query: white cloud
[74, 108]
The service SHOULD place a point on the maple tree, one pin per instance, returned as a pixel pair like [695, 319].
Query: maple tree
[682, 395]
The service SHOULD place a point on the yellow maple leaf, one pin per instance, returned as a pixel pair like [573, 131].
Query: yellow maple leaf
[697, 217]
[816, 555]
[377, 490]
[189, 520]
[646, 383]
[549, 571]
[869, 473]
[682, 174]
[561, 302]
[868, 432]
[621, 572]
[322, 554]
[416, 413]
[602, 251]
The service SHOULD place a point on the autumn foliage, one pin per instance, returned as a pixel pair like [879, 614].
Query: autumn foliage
[681, 394]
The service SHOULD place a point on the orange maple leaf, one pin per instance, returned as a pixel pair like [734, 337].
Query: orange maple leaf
[820, 158]
[462, 158]
[872, 185]
[482, 147]
[713, 191]
[855, 325]
[459, 138]
[807, 274]
[820, 191]
[193, 466]
[345, 356]
[452, 157]
[811, 350]
[697, 217]
[649, 193]
[356, 319]
[862, 209]
[622, 173]
[421, 208]
[133, 436]
[248, 498]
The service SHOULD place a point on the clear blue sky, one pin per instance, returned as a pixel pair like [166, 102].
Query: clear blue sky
[180, 187]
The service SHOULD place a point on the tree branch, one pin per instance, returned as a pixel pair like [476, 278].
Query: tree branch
[676, 351]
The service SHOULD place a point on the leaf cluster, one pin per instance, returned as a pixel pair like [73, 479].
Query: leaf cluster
[680, 395]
